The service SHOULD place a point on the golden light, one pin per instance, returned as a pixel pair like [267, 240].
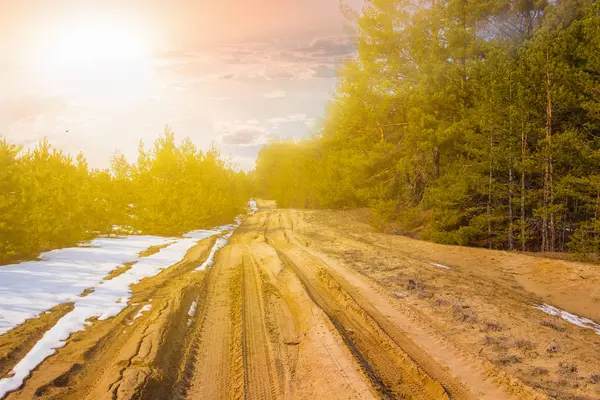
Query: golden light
[86, 44]
[93, 58]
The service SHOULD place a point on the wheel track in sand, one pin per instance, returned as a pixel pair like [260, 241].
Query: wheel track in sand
[260, 374]
[461, 374]
[379, 356]
[212, 332]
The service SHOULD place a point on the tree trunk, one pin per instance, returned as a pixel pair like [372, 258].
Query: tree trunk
[511, 240]
[436, 162]
[511, 235]
[548, 223]
[489, 203]
[523, 161]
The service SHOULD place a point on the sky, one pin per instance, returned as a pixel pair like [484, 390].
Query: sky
[98, 76]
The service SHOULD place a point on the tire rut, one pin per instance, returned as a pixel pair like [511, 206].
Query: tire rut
[379, 356]
[260, 382]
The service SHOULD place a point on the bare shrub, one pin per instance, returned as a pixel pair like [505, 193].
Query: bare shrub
[566, 368]
[537, 371]
[553, 348]
[441, 303]
[498, 343]
[553, 324]
[423, 294]
[464, 314]
[594, 379]
[509, 360]
[493, 326]
[414, 285]
[525, 345]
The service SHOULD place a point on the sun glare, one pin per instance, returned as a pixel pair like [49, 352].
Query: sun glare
[87, 44]
[96, 57]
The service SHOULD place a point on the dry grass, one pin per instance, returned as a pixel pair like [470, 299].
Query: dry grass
[509, 360]
[493, 326]
[525, 345]
[537, 371]
[441, 303]
[553, 324]
[464, 314]
[566, 368]
[498, 343]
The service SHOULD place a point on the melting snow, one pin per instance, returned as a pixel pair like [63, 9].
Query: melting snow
[219, 244]
[192, 310]
[253, 206]
[438, 265]
[572, 318]
[30, 288]
[147, 307]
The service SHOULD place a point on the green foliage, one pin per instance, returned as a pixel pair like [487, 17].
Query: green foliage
[471, 123]
[50, 200]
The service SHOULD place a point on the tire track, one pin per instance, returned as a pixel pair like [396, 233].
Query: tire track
[212, 363]
[259, 368]
[375, 351]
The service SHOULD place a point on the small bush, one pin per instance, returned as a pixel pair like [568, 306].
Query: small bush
[553, 348]
[509, 360]
[413, 285]
[594, 379]
[537, 371]
[493, 326]
[499, 343]
[553, 324]
[566, 368]
[524, 345]
[464, 314]
[441, 303]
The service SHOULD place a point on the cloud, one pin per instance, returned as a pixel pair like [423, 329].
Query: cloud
[242, 133]
[242, 137]
[325, 71]
[302, 118]
[260, 61]
[29, 108]
[276, 94]
[332, 46]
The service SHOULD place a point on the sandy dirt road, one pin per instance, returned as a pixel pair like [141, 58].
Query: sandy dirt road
[316, 305]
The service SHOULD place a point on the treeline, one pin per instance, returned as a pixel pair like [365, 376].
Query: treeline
[467, 122]
[49, 199]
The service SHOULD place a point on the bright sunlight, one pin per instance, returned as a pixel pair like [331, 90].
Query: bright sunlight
[96, 59]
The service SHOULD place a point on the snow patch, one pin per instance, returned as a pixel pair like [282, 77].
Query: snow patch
[192, 311]
[253, 206]
[147, 307]
[571, 318]
[27, 289]
[438, 265]
[31, 288]
[219, 244]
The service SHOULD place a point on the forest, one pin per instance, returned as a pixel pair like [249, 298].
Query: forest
[49, 199]
[463, 122]
[460, 121]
